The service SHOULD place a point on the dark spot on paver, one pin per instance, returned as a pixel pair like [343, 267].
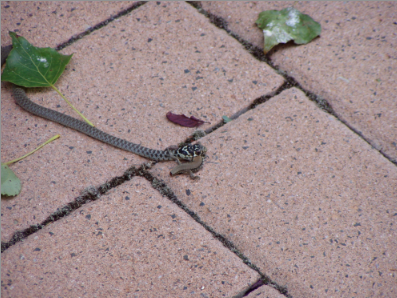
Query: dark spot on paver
[188, 192]
[88, 216]
[186, 70]
[9, 208]
[37, 249]
[255, 82]
[89, 152]
[245, 147]
[357, 224]
[173, 216]
[7, 6]
[73, 255]
[230, 81]
[250, 119]
[127, 198]
[194, 88]
[186, 258]
[51, 233]
[202, 204]
[159, 207]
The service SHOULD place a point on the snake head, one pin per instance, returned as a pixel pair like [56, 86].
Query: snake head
[188, 152]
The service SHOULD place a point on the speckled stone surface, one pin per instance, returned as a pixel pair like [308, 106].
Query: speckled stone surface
[49, 23]
[352, 65]
[132, 242]
[125, 78]
[300, 195]
[304, 198]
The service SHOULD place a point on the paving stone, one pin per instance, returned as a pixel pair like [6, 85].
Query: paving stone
[303, 197]
[50, 23]
[352, 65]
[125, 78]
[129, 242]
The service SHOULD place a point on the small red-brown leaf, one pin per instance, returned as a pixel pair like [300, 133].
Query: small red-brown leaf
[184, 120]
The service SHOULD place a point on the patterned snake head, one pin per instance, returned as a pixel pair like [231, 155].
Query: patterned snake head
[188, 152]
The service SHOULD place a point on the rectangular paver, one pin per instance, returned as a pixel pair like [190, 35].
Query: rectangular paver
[303, 197]
[131, 242]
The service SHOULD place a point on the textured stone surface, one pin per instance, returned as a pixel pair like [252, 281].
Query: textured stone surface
[130, 242]
[125, 78]
[353, 64]
[308, 201]
[49, 23]
[304, 198]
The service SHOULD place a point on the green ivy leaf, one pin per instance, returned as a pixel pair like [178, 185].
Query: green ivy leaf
[10, 183]
[30, 66]
[285, 25]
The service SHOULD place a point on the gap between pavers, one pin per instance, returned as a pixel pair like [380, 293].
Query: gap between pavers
[302, 196]
[119, 56]
[131, 241]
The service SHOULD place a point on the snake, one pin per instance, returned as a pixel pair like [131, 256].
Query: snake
[192, 153]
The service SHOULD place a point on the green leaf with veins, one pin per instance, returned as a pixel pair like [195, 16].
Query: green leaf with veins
[30, 66]
[10, 183]
[285, 25]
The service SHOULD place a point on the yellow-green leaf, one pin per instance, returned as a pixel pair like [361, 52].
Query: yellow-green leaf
[10, 183]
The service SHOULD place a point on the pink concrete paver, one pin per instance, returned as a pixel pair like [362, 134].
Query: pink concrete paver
[125, 78]
[49, 23]
[131, 242]
[303, 197]
[353, 64]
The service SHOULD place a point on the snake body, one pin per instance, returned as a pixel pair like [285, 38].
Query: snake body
[24, 102]
[186, 152]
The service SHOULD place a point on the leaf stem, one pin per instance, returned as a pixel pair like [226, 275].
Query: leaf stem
[70, 104]
[26, 155]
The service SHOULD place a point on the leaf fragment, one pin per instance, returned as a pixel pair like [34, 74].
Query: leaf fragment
[285, 25]
[184, 120]
[10, 183]
[226, 119]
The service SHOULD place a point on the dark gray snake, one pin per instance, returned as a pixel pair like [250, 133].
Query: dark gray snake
[192, 153]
